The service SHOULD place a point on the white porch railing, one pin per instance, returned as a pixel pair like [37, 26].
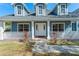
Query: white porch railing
[67, 35]
[55, 34]
[14, 35]
[20, 35]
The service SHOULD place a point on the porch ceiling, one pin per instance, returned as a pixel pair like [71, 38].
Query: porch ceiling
[37, 18]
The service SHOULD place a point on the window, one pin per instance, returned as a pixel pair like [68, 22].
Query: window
[26, 27]
[61, 27]
[57, 27]
[20, 27]
[74, 26]
[23, 27]
[19, 9]
[62, 8]
[40, 10]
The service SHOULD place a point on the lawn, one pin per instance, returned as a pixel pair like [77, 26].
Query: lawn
[63, 42]
[16, 48]
[13, 48]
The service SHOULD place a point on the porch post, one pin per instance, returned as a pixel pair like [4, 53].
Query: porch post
[48, 29]
[4, 25]
[32, 29]
[1, 30]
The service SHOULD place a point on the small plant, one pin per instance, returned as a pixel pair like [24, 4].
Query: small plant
[28, 47]
[51, 42]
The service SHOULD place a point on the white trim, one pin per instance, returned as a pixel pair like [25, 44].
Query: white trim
[23, 24]
[4, 26]
[32, 29]
[77, 25]
[59, 23]
[17, 10]
[48, 29]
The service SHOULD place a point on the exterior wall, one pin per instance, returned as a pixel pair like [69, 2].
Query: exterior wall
[67, 24]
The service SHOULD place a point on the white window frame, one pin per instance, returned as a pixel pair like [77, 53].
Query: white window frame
[23, 24]
[40, 10]
[18, 10]
[63, 8]
[57, 23]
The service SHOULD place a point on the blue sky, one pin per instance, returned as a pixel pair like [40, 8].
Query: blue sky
[7, 8]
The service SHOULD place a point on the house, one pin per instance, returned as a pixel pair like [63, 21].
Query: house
[58, 23]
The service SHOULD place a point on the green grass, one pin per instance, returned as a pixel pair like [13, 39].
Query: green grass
[16, 48]
[13, 48]
[64, 42]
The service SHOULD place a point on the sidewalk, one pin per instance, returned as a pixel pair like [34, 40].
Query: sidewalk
[57, 49]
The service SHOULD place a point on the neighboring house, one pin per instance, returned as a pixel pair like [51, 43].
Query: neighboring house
[57, 23]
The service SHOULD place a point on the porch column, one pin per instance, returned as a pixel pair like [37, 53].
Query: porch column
[48, 29]
[1, 30]
[32, 29]
[4, 25]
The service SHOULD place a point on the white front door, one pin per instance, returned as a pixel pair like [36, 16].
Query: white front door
[40, 29]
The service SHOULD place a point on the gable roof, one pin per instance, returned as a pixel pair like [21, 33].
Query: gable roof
[49, 12]
[75, 13]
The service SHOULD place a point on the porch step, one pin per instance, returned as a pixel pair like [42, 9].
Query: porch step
[39, 39]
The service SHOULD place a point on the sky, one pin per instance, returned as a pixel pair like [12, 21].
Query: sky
[7, 8]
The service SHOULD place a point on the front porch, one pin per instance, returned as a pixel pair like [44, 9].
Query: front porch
[42, 29]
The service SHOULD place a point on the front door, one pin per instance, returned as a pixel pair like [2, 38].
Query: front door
[40, 29]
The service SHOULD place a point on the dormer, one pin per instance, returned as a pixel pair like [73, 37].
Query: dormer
[19, 9]
[62, 9]
[40, 9]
